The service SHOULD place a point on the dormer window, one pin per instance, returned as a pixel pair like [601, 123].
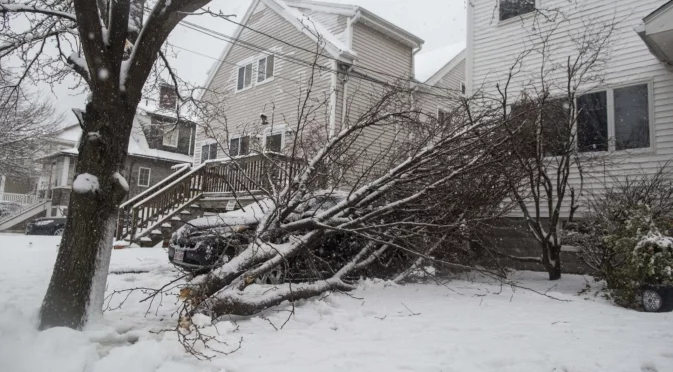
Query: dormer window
[515, 8]
[265, 69]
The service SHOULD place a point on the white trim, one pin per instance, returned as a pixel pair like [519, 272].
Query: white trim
[333, 98]
[469, 58]
[149, 176]
[65, 172]
[434, 79]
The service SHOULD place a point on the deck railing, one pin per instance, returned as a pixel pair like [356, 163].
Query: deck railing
[23, 199]
[238, 176]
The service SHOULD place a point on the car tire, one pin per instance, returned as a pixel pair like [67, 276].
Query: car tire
[59, 231]
[652, 301]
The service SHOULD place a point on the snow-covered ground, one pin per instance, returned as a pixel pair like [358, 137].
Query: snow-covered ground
[463, 326]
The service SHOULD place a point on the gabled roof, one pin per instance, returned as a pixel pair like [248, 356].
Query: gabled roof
[432, 66]
[291, 11]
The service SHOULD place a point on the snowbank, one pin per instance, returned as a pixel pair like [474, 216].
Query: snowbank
[468, 325]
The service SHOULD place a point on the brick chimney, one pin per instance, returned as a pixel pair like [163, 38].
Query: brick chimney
[168, 99]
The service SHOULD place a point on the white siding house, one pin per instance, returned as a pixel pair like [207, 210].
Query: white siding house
[259, 100]
[637, 80]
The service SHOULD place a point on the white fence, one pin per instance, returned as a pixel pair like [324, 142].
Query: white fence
[24, 199]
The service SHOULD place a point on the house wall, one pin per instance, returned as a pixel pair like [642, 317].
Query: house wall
[158, 171]
[277, 98]
[444, 94]
[493, 47]
[376, 53]
[154, 133]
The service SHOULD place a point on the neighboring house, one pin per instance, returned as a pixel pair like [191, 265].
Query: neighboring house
[630, 128]
[267, 78]
[632, 121]
[156, 146]
[441, 73]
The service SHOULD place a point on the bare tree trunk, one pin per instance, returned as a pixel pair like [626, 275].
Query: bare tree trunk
[77, 285]
[551, 259]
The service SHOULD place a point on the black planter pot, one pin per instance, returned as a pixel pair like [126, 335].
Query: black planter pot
[657, 299]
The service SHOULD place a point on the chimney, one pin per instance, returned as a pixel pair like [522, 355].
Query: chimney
[168, 99]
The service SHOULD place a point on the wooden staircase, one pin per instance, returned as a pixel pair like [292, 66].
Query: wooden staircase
[155, 214]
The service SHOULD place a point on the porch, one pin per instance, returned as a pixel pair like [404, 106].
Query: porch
[214, 186]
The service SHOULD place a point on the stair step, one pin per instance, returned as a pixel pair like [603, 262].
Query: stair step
[155, 232]
[186, 212]
[166, 225]
[175, 218]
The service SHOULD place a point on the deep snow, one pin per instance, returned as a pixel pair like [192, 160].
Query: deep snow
[463, 326]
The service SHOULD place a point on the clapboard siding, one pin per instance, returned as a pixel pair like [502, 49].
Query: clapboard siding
[493, 47]
[241, 110]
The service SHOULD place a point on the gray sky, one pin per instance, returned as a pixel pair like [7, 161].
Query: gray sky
[439, 22]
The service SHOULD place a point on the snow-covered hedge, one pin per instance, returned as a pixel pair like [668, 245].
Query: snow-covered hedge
[652, 259]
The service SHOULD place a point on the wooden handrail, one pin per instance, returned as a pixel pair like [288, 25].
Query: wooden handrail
[239, 176]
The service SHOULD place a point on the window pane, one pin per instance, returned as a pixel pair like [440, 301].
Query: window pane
[204, 153]
[245, 145]
[143, 176]
[241, 78]
[273, 142]
[269, 66]
[248, 75]
[592, 122]
[514, 8]
[632, 117]
[213, 151]
[261, 70]
[233, 146]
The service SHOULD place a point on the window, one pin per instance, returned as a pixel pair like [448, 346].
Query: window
[442, 116]
[463, 89]
[514, 8]
[208, 152]
[273, 141]
[143, 177]
[244, 77]
[629, 124]
[239, 146]
[171, 135]
[265, 69]
[632, 117]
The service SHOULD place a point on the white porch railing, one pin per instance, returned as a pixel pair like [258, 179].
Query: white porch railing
[24, 199]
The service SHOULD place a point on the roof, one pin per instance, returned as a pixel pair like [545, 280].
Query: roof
[658, 11]
[138, 145]
[433, 65]
[335, 46]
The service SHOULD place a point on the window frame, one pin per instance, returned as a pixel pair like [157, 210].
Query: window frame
[282, 130]
[175, 130]
[149, 176]
[267, 79]
[462, 88]
[243, 65]
[517, 17]
[239, 137]
[441, 110]
[610, 91]
[209, 144]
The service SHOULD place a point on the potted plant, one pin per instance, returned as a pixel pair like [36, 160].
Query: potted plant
[652, 261]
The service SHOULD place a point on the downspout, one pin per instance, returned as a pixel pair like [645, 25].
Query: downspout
[191, 141]
[345, 95]
[333, 98]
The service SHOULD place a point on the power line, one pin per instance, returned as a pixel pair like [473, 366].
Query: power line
[256, 48]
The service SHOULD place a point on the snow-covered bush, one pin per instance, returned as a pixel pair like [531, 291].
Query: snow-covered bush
[652, 259]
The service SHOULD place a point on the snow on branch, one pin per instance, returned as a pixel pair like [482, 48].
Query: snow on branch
[26, 8]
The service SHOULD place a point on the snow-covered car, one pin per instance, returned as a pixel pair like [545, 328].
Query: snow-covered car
[46, 226]
[206, 242]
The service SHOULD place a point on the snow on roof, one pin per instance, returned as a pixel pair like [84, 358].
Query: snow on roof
[70, 133]
[311, 27]
[138, 145]
[429, 63]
